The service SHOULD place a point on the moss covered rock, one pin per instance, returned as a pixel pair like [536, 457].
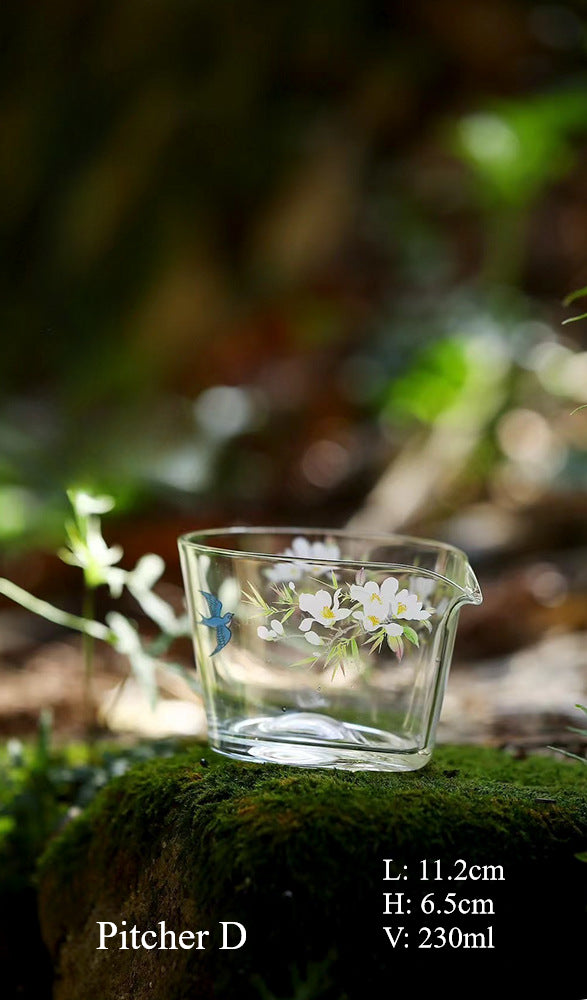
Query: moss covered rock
[297, 857]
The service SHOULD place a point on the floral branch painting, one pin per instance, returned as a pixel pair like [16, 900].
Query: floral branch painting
[335, 619]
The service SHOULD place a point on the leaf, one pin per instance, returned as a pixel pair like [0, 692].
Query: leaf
[159, 611]
[411, 635]
[579, 294]
[261, 600]
[308, 659]
[567, 753]
[396, 645]
[285, 596]
[257, 601]
[377, 641]
[574, 319]
[322, 583]
[582, 856]
[52, 614]
[127, 641]
[332, 652]
[125, 636]
[338, 666]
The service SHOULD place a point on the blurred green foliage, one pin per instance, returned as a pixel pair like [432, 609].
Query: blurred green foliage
[516, 147]
[283, 202]
[433, 383]
[42, 785]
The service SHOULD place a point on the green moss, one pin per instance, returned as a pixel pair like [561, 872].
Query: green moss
[297, 856]
[39, 784]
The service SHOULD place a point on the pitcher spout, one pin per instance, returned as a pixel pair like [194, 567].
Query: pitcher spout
[472, 591]
[465, 583]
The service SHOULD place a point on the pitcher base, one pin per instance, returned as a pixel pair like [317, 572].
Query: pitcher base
[305, 739]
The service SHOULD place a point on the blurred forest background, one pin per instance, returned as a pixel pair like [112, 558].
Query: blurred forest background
[302, 263]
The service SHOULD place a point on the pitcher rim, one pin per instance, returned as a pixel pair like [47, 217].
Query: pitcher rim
[188, 540]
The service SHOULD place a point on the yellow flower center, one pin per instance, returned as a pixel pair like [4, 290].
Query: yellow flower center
[328, 613]
[376, 597]
[374, 621]
[401, 608]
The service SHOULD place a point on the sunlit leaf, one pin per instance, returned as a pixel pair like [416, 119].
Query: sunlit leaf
[579, 294]
[411, 635]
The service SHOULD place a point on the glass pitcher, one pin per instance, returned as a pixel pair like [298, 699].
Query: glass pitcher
[324, 648]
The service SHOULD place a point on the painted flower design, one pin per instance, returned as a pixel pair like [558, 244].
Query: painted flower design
[376, 599]
[406, 605]
[304, 552]
[371, 622]
[339, 621]
[385, 600]
[324, 609]
[270, 634]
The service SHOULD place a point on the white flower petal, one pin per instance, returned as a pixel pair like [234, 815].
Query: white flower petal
[307, 624]
[389, 588]
[423, 586]
[369, 622]
[300, 547]
[309, 603]
[277, 626]
[393, 629]
[281, 572]
[422, 616]
[264, 633]
[313, 639]
[85, 504]
[324, 599]
[147, 571]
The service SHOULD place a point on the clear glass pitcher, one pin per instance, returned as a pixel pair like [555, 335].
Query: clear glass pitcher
[324, 649]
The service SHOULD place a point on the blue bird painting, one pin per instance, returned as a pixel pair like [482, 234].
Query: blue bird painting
[221, 622]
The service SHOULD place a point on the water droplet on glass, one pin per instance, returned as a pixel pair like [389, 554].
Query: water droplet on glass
[203, 762]
[318, 688]
[288, 894]
[283, 708]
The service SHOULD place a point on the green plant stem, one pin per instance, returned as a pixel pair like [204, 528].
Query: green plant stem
[90, 629]
[52, 614]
